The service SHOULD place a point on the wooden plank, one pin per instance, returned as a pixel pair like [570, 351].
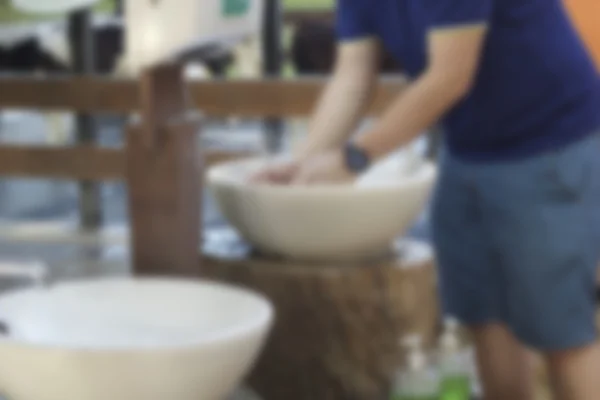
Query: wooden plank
[80, 162]
[242, 98]
[214, 157]
[90, 163]
[274, 98]
[77, 93]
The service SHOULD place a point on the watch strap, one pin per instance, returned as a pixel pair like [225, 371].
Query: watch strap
[356, 159]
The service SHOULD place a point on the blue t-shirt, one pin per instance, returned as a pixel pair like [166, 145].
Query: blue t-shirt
[537, 88]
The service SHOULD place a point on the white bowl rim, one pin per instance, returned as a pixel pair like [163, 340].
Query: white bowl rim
[427, 172]
[264, 320]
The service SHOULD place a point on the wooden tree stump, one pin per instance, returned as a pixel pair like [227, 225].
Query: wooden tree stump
[337, 327]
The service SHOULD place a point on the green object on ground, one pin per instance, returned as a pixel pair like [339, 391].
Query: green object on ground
[455, 363]
[418, 380]
[415, 398]
[456, 388]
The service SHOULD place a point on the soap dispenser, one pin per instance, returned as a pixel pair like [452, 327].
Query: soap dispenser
[417, 380]
[454, 364]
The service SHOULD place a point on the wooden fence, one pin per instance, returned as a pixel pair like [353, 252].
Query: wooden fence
[251, 98]
[160, 162]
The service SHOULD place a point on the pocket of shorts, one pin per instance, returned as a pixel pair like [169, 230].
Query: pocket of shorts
[570, 170]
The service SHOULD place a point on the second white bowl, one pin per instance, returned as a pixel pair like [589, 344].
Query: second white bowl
[321, 223]
[125, 339]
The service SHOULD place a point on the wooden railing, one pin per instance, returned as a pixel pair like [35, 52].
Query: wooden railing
[243, 98]
[253, 98]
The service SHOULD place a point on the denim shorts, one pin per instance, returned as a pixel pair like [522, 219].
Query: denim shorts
[519, 243]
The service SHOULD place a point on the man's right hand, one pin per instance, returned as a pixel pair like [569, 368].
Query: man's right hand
[277, 173]
[340, 108]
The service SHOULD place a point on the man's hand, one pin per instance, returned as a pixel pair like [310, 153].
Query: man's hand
[324, 168]
[282, 173]
[345, 98]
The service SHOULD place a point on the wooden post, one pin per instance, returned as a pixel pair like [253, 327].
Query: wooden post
[272, 67]
[164, 176]
[82, 45]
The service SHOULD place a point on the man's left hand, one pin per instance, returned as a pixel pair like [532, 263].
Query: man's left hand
[324, 168]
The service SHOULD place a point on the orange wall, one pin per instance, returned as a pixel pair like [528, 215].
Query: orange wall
[586, 15]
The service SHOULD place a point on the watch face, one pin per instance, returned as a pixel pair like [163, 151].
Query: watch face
[356, 159]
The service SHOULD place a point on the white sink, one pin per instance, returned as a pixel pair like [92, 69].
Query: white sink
[124, 339]
[323, 223]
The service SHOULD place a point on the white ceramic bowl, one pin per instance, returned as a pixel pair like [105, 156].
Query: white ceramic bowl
[124, 339]
[322, 223]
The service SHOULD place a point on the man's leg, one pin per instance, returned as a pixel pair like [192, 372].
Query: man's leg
[505, 366]
[576, 373]
[543, 216]
[470, 287]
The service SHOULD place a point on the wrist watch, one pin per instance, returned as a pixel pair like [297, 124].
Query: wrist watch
[356, 159]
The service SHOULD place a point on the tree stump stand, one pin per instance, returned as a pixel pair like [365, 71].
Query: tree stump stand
[337, 328]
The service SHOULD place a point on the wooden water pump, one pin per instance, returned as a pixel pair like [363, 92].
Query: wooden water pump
[164, 174]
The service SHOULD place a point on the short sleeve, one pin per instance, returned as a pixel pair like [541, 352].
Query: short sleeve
[448, 13]
[352, 20]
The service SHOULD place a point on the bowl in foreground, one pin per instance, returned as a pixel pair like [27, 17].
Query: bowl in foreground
[123, 339]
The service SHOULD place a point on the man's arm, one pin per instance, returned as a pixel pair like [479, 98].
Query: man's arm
[345, 97]
[454, 54]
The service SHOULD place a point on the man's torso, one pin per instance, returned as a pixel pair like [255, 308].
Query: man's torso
[536, 89]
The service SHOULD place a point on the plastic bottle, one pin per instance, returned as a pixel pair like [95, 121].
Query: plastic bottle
[417, 381]
[455, 368]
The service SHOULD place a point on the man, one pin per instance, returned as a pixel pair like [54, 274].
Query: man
[516, 216]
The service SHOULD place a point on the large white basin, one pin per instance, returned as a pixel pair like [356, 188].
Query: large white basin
[322, 223]
[125, 339]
